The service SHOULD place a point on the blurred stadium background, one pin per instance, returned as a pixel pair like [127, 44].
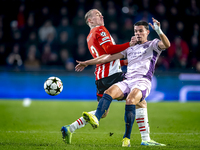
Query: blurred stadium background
[43, 39]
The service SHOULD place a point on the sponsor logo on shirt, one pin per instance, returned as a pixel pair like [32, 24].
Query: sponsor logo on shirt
[107, 37]
[146, 45]
[103, 34]
[133, 54]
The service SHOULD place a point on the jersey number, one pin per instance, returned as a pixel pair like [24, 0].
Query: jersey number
[94, 51]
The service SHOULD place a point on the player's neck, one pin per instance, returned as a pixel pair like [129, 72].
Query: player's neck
[142, 42]
[94, 26]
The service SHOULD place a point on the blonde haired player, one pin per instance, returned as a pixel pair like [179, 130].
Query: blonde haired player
[99, 42]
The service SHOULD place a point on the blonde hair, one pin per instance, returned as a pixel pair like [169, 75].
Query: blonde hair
[88, 15]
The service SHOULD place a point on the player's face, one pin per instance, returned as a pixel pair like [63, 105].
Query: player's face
[141, 33]
[96, 18]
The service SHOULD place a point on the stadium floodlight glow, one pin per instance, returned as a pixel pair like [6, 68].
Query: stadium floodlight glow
[125, 10]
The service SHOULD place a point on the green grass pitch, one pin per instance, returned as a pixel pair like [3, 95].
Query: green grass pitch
[38, 126]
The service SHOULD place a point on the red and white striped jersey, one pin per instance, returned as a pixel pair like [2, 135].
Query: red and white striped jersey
[97, 37]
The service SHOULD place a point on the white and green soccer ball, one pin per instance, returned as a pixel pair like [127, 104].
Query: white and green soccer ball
[53, 86]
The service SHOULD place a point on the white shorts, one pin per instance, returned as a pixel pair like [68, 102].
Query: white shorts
[142, 84]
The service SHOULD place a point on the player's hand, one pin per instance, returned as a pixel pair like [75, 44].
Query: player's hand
[133, 41]
[154, 22]
[81, 66]
[156, 26]
[125, 62]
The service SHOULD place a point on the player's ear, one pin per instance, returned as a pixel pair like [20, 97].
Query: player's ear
[148, 31]
[89, 20]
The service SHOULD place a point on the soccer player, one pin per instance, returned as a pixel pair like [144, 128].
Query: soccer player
[141, 58]
[99, 43]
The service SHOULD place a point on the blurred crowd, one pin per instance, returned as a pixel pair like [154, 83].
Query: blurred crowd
[52, 33]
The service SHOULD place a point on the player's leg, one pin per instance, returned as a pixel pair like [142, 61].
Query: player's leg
[132, 99]
[106, 112]
[68, 130]
[112, 93]
[142, 120]
[104, 103]
[103, 86]
[81, 122]
[92, 119]
[106, 83]
[143, 124]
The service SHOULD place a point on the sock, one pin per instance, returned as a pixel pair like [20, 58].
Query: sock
[103, 105]
[143, 124]
[129, 118]
[79, 123]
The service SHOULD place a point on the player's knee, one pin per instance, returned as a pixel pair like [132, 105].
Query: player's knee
[113, 92]
[134, 97]
[107, 92]
[130, 101]
[142, 104]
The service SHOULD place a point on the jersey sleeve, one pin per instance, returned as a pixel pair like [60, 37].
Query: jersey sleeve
[124, 53]
[112, 49]
[107, 43]
[103, 36]
[155, 46]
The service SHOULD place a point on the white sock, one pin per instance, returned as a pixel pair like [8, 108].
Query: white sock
[79, 123]
[143, 124]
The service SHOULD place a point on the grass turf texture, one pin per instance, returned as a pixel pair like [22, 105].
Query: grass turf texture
[38, 126]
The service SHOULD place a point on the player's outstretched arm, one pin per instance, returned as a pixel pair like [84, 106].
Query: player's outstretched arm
[113, 49]
[80, 67]
[164, 43]
[99, 60]
[82, 64]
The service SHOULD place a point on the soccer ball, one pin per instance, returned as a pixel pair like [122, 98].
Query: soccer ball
[53, 86]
